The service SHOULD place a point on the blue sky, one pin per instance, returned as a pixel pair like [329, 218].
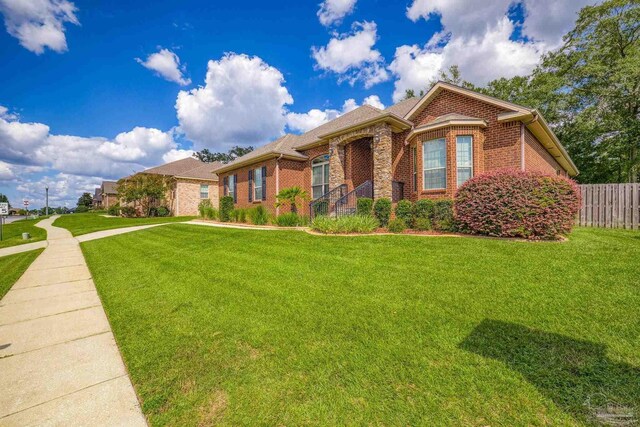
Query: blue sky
[95, 90]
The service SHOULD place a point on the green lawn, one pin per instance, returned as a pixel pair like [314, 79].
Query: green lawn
[12, 233]
[13, 266]
[241, 327]
[84, 223]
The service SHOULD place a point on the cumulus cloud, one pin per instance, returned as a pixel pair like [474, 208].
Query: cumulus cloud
[303, 122]
[20, 140]
[64, 189]
[39, 24]
[352, 56]
[176, 154]
[241, 103]
[333, 11]
[166, 64]
[478, 37]
[6, 172]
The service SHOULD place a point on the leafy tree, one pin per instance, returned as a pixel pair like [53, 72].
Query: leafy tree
[85, 200]
[292, 197]
[146, 191]
[4, 199]
[207, 156]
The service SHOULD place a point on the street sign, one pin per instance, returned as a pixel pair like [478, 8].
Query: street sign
[4, 208]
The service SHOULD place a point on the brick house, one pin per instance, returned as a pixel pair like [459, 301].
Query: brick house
[193, 181]
[418, 148]
[108, 194]
[97, 198]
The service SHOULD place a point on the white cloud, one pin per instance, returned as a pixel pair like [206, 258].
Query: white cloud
[39, 24]
[20, 140]
[332, 11]
[477, 36]
[374, 101]
[144, 145]
[167, 65]
[303, 122]
[64, 189]
[352, 56]
[6, 171]
[242, 102]
[176, 154]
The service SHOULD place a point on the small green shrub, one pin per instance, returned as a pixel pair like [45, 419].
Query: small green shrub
[289, 220]
[442, 218]
[82, 209]
[397, 225]
[382, 211]
[239, 215]
[258, 215]
[424, 209]
[345, 224]
[226, 207]
[114, 210]
[211, 213]
[128, 211]
[163, 211]
[364, 206]
[405, 210]
[203, 206]
[422, 224]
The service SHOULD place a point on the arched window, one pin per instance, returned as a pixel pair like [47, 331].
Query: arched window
[320, 176]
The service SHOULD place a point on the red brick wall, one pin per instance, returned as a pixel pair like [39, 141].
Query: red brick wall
[537, 158]
[358, 162]
[243, 185]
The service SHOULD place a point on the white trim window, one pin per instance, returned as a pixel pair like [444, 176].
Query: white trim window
[204, 191]
[434, 164]
[257, 184]
[320, 176]
[231, 186]
[464, 158]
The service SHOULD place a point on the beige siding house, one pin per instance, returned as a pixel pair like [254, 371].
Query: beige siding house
[194, 182]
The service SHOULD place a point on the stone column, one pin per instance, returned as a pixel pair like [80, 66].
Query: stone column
[382, 161]
[336, 165]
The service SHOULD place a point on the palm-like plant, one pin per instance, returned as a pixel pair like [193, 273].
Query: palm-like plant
[291, 196]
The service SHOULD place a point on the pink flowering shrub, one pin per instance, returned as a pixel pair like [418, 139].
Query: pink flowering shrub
[511, 203]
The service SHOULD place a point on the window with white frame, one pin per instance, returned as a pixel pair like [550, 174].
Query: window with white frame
[257, 184]
[231, 186]
[320, 176]
[434, 164]
[464, 158]
[204, 191]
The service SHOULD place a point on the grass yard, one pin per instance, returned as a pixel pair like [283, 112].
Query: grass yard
[12, 267]
[12, 233]
[84, 223]
[244, 327]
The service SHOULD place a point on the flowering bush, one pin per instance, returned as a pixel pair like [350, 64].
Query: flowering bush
[510, 203]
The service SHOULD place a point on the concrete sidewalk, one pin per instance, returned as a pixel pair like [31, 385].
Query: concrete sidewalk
[59, 362]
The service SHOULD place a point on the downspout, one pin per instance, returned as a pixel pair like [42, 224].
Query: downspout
[278, 180]
[177, 199]
[522, 142]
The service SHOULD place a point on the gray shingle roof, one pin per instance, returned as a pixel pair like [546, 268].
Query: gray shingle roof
[109, 187]
[402, 108]
[97, 194]
[186, 168]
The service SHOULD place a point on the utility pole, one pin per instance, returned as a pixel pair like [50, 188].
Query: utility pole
[46, 212]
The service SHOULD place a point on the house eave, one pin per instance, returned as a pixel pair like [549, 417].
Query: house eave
[541, 130]
[261, 158]
[448, 123]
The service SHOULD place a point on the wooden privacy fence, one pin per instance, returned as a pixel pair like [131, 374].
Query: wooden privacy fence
[610, 205]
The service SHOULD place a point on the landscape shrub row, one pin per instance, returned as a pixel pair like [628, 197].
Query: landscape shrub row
[345, 224]
[257, 215]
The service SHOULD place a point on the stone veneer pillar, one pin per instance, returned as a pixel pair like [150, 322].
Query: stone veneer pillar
[382, 161]
[336, 165]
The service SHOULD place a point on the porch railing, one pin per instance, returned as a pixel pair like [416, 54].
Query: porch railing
[325, 204]
[397, 191]
[347, 204]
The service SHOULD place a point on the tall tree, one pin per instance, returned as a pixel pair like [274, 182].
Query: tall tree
[145, 191]
[207, 156]
[85, 200]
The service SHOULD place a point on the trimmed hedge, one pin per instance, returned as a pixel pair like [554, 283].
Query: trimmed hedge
[364, 206]
[405, 210]
[345, 224]
[510, 203]
[397, 225]
[382, 211]
[226, 207]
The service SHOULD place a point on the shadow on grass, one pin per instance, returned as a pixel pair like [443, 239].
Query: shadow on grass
[576, 375]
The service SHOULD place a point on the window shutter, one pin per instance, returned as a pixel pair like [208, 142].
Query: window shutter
[225, 185]
[264, 183]
[235, 188]
[250, 185]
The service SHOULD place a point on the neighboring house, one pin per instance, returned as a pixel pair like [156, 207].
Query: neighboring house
[108, 194]
[194, 181]
[418, 148]
[97, 198]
